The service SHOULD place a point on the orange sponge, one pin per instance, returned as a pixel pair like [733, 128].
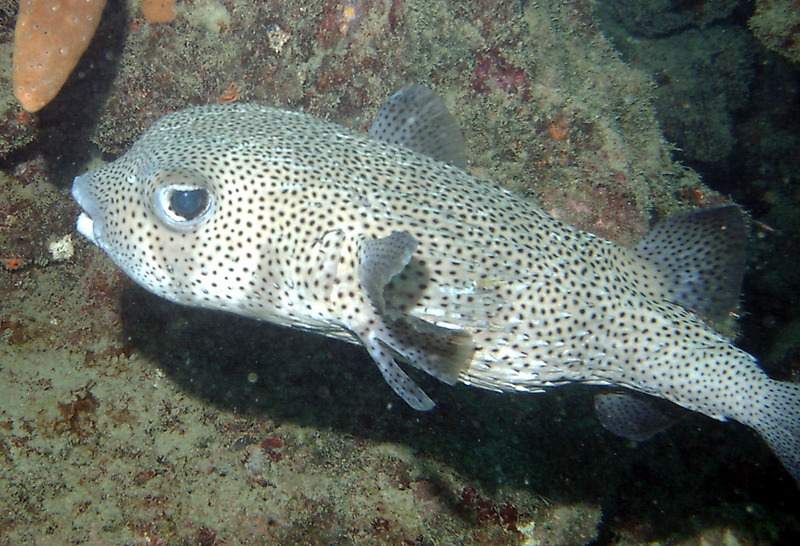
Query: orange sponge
[158, 11]
[50, 37]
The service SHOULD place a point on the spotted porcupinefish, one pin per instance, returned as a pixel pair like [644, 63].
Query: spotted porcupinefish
[386, 241]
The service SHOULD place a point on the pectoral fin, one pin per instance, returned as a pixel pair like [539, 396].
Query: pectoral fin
[441, 352]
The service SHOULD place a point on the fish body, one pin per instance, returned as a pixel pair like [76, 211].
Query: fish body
[386, 241]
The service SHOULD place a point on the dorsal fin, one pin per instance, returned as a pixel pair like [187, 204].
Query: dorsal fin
[700, 256]
[416, 118]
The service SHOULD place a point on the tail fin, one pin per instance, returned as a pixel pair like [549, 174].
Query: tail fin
[778, 422]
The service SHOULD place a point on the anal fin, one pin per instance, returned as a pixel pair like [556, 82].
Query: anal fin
[637, 418]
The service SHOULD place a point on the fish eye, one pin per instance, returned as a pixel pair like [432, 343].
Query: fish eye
[189, 204]
[183, 205]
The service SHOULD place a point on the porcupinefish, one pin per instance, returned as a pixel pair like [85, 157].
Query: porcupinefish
[386, 241]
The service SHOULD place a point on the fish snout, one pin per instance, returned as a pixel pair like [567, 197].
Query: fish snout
[88, 220]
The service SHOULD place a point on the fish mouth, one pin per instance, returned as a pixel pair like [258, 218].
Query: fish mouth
[85, 224]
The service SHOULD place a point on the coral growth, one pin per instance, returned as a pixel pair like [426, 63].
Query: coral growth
[494, 72]
[777, 24]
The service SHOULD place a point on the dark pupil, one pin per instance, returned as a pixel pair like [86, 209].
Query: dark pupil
[189, 204]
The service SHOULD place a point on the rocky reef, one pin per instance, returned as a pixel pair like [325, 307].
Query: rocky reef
[127, 419]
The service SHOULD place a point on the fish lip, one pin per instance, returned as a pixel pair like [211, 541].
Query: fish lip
[85, 224]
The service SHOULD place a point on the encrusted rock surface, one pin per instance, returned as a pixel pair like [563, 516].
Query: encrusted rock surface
[129, 420]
